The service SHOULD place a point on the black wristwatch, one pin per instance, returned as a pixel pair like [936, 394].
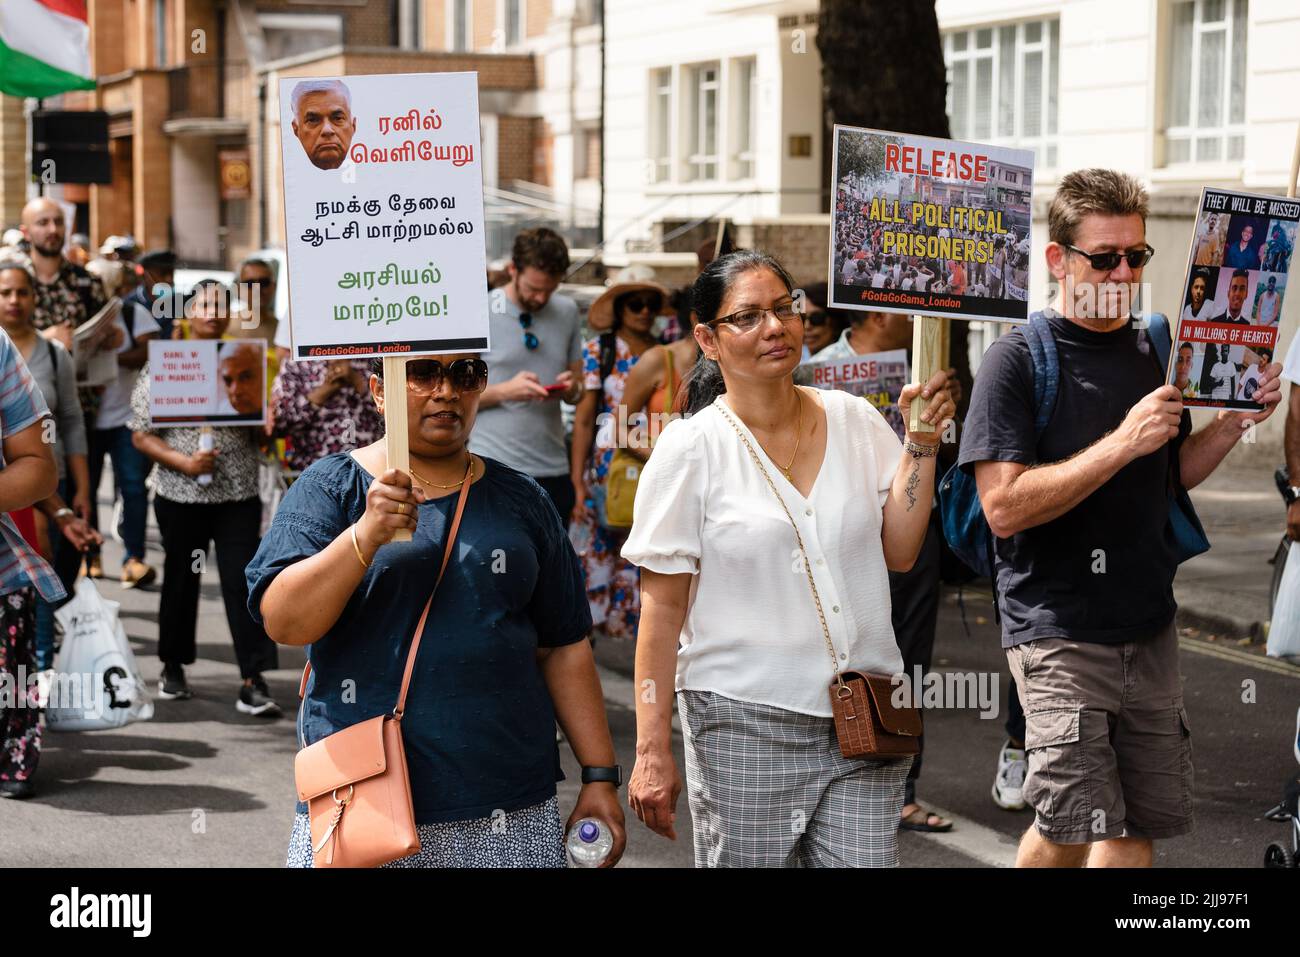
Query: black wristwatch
[612, 775]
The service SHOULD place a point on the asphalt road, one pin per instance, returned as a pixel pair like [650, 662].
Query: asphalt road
[201, 785]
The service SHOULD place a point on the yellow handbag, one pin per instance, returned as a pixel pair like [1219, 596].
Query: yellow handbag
[625, 468]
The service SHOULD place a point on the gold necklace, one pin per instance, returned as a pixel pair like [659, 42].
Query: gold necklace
[785, 469]
[425, 481]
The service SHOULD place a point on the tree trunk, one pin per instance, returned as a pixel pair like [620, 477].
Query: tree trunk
[882, 68]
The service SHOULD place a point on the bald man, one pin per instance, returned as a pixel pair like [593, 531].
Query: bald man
[323, 121]
[242, 364]
[66, 295]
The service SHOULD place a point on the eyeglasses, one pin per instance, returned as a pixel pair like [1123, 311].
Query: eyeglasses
[425, 376]
[638, 303]
[1105, 262]
[526, 323]
[748, 319]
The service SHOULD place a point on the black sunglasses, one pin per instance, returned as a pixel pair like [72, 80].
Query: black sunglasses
[638, 303]
[526, 323]
[425, 376]
[1105, 262]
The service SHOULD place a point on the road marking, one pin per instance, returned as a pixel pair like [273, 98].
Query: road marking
[973, 840]
[1238, 656]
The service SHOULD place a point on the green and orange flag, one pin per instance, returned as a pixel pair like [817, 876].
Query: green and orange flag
[44, 47]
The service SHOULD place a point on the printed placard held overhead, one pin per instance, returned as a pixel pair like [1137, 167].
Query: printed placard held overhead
[383, 205]
[1237, 273]
[194, 382]
[930, 227]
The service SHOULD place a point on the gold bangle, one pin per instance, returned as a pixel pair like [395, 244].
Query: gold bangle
[357, 545]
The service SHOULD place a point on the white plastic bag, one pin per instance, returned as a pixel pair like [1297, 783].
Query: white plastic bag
[96, 685]
[1284, 629]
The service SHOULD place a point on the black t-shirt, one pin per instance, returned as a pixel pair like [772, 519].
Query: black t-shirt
[1102, 572]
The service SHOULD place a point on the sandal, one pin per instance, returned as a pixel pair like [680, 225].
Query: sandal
[923, 820]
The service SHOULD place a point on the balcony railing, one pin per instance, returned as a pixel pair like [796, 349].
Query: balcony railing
[200, 90]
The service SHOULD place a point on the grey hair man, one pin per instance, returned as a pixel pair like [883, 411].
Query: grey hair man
[323, 121]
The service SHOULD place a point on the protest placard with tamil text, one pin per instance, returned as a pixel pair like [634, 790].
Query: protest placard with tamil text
[383, 205]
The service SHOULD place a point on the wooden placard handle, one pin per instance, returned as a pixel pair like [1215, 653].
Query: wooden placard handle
[396, 440]
[927, 359]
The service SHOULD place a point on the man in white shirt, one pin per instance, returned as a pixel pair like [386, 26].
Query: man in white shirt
[1268, 306]
[1223, 372]
[1199, 308]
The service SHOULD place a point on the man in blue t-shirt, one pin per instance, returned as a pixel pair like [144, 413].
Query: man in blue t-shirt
[1085, 554]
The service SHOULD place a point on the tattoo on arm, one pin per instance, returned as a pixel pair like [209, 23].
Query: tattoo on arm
[913, 481]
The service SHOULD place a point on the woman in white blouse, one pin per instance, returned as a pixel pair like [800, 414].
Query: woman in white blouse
[727, 605]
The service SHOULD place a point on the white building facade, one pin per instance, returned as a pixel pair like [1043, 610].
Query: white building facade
[1181, 93]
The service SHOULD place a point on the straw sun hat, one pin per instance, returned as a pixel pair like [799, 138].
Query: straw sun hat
[601, 314]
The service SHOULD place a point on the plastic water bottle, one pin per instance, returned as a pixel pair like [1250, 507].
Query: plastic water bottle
[580, 537]
[206, 444]
[588, 843]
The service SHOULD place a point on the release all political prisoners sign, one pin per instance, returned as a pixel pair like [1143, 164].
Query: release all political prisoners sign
[930, 227]
[195, 382]
[383, 206]
[1237, 273]
[878, 377]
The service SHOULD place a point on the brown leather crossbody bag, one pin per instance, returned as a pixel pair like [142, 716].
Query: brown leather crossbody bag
[355, 781]
[867, 723]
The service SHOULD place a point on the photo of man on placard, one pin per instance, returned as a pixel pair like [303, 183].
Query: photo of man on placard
[1245, 239]
[323, 121]
[241, 365]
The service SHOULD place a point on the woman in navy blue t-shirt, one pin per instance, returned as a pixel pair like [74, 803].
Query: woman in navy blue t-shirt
[503, 656]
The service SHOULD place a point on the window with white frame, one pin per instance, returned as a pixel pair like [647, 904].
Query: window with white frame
[744, 77]
[1207, 82]
[293, 34]
[160, 32]
[1002, 85]
[702, 160]
[459, 26]
[661, 125]
[514, 22]
[408, 25]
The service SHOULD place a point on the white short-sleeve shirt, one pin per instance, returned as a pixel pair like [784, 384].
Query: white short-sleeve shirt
[751, 631]
[1291, 365]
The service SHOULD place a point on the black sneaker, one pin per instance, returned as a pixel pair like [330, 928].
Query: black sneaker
[255, 699]
[172, 686]
[18, 790]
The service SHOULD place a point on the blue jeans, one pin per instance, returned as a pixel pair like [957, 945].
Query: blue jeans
[130, 467]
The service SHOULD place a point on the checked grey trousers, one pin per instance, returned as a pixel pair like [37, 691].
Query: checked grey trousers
[768, 787]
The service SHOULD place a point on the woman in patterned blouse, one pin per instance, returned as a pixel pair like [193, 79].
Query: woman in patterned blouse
[624, 315]
[323, 408]
[225, 511]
